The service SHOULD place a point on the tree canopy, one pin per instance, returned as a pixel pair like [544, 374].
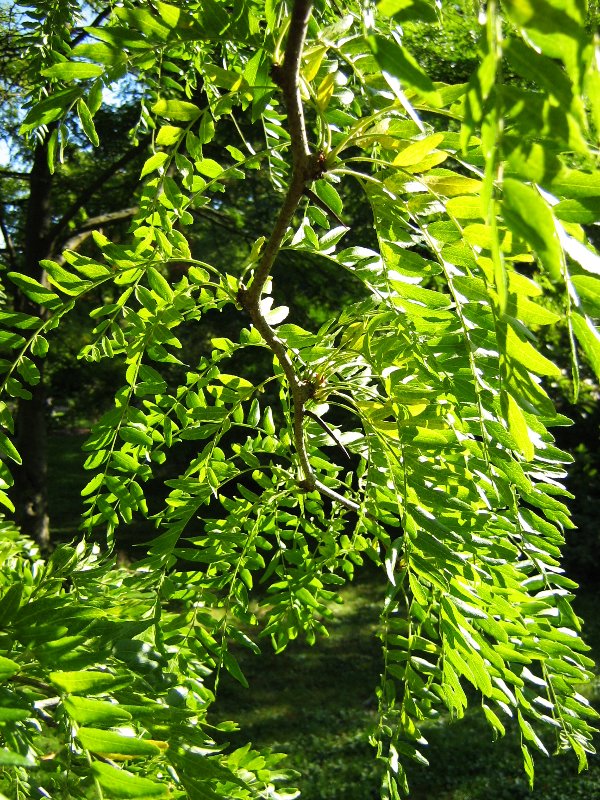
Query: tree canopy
[407, 423]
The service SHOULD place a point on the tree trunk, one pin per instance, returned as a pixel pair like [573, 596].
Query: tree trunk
[31, 490]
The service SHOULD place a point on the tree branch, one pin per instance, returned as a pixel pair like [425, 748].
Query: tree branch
[106, 219]
[90, 190]
[77, 238]
[25, 680]
[305, 168]
[83, 33]
[288, 77]
[306, 165]
[223, 221]
[9, 173]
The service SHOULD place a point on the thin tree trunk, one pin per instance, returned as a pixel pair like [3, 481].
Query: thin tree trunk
[31, 490]
[44, 238]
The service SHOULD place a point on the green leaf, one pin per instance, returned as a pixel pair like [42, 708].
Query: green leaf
[329, 195]
[452, 185]
[87, 711]
[555, 27]
[233, 668]
[8, 758]
[209, 167]
[87, 122]
[209, 769]
[9, 603]
[576, 184]
[85, 682]
[35, 291]
[408, 10]
[253, 417]
[13, 714]
[145, 21]
[517, 426]
[49, 110]
[588, 289]
[8, 449]
[111, 743]
[589, 339]
[64, 280]
[182, 24]
[169, 135]
[267, 422]
[493, 720]
[529, 216]
[468, 207]
[530, 313]
[135, 436]
[155, 162]
[397, 62]
[523, 352]
[177, 110]
[73, 71]
[119, 783]
[159, 284]
[99, 52]
[39, 346]
[585, 211]
[533, 66]
[8, 668]
[417, 151]
[126, 463]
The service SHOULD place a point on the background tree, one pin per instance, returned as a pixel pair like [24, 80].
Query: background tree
[49, 205]
[410, 427]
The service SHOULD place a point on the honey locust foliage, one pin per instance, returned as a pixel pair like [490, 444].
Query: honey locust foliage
[412, 429]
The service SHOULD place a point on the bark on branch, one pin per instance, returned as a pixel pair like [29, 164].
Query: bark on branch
[76, 239]
[93, 223]
[307, 166]
[304, 165]
[10, 173]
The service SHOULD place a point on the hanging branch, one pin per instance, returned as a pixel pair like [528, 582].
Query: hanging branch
[306, 167]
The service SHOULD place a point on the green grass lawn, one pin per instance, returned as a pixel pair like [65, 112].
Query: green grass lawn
[316, 704]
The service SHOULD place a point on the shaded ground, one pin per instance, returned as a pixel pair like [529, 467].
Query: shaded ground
[317, 705]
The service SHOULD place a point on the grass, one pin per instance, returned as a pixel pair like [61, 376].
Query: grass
[66, 479]
[317, 703]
